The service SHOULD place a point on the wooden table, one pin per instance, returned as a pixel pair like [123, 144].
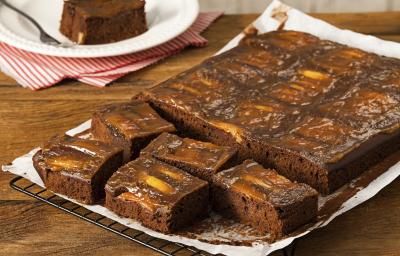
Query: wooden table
[28, 118]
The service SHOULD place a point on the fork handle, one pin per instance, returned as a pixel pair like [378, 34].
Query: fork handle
[34, 22]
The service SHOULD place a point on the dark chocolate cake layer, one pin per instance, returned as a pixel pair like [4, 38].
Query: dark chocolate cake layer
[160, 196]
[129, 125]
[201, 159]
[317, 111]
[76, 167]
[262, 198]
[102, 21]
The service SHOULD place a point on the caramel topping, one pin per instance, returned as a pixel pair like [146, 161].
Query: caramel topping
[305, 77]
[262, 184]
[257, 181]
[189, 153]
[247, 189]
[136, 120]
[75, 155]
[153, 182]
[105, 8]
[186, 88]
[325, 130]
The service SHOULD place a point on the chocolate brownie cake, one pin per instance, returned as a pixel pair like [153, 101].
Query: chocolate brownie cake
[262, 198]
[102, 21]
[201, 159]
[316, 111]
[160, 196]
[77, 168]
[130, 125]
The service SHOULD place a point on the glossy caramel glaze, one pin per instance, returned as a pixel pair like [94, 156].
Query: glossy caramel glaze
[293, 91]
[194, 153]
[151, 183]
[105, 8]
[263, 185]
[134, 120]
[74, 156]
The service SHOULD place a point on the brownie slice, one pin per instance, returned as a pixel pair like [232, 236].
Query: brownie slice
[317, 111]
[160, 196]
[102, 21]
[76, 167]
[130, 125]
[201, 159]
[264, 199]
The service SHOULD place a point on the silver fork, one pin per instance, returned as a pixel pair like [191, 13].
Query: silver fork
[44, 37]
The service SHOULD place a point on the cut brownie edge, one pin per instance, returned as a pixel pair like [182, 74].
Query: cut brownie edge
[74, 187]
[190, 208]
[199, 158]
[260, 197]
[131, 116]
[77, 168]
[325, 179]
[89, 25]
[279, 159]
[159, 196]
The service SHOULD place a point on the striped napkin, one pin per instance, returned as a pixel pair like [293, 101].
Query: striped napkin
[37, 71]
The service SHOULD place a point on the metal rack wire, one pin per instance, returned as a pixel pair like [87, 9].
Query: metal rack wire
[161, 246]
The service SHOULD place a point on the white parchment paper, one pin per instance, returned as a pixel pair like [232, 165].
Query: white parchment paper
[295, 20]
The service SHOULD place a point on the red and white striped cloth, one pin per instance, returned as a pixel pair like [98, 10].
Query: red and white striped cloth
[37, 71]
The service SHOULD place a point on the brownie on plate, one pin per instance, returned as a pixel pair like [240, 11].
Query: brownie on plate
[264, 199]
[102, 21]
[76, 167]
[129, 125]
[317, 111]
[200, 159]
[160, 196]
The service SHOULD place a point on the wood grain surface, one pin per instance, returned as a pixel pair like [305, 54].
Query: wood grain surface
[28, 227]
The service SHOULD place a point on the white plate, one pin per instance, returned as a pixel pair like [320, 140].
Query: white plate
[166, 20]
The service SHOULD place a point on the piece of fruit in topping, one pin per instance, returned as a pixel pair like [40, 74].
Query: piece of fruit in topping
[172, 174]
[352, 54]
[297, 87]
[245, 188]
[59, 163]
[257, 181]
[159, 184]
[183, 87]
[234, 130]
[312, 74]
[143, 200]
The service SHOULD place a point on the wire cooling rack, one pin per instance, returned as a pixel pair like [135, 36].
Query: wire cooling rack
[161, 246]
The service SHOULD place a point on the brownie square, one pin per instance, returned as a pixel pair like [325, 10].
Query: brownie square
[76, 167]
[201, 159]
[317, 111]
[262, 198]
[102, 21]
[130, 125]
[160, 196]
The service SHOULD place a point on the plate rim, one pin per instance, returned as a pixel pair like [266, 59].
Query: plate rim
[22, 43]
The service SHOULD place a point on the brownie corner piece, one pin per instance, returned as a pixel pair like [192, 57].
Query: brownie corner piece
[129, 125]
[159, 196]
[102, 22]
[77, 168]
[201, 159]
[262, 198]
